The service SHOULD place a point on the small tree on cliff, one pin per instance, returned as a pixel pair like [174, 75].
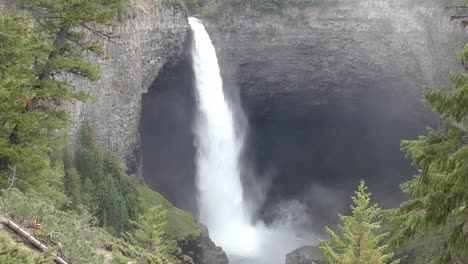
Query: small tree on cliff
[36, 59]
[151, 229]
[361, 241]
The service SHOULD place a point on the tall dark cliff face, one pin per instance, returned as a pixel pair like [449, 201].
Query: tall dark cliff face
[329, 93]
[151, 38]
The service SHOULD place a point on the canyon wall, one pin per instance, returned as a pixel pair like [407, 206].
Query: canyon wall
[151, 36]
[326, 53]
[300, 57]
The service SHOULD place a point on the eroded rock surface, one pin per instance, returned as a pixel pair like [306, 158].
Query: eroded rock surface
[336, 52]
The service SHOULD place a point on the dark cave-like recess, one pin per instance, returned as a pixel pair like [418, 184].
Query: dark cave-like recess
[314, 153]
[166, 132]
[318, 154]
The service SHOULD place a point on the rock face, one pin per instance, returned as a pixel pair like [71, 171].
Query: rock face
[202, 250]
[305, 255]
[336, 51]
[330, 91]
[154, 37]
[312, 56]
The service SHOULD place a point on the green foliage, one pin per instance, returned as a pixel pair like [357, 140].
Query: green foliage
[118, 258]
[439, 194]
[78, 234]
[69, 24]
[361, 240]
[129, 248]
[11, 253]
[26, 137]
[72, 181]
[425, 247]
[151, 229]
[74, 231]
[107, 191]
[180, 223]
[30, 95]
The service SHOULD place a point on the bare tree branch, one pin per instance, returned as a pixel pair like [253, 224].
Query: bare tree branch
[11, 178]
[99, 33]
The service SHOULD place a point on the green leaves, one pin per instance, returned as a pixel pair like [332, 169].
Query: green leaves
[361, 240]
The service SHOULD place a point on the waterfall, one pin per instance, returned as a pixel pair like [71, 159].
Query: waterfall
[219, 144]
[219, 147]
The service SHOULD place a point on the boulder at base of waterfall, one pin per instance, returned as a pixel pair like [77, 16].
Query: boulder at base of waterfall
[202, 249]
[305, 255]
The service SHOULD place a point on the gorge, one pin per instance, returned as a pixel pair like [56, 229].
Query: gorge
[329, 91]
[216, 131]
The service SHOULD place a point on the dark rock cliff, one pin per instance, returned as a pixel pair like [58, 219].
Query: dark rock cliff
[325, 54]
[153, 37]
[202, 250]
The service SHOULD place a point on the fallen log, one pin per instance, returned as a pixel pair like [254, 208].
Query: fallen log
[28, 237]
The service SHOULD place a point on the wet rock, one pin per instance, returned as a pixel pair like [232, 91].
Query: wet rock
[202, 249]
[305, 255]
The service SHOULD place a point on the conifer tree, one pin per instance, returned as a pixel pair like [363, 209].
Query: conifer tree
[361, 241]
[69, 24]
[105, 188]
[439, 194]
[35, 63]
[26, 137]
[151, 229]
[72, 182]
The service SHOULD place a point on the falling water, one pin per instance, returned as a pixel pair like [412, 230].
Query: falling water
[220, 197]
[219, 146]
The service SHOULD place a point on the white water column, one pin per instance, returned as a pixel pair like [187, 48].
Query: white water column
[220, 195]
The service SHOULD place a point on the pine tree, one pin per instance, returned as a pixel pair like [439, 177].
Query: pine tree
[69, 25]
[106, 189]
[35, 62]
[26, 137]
[439, 194]
[361, 241]
[72, 182]
[151, 229]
